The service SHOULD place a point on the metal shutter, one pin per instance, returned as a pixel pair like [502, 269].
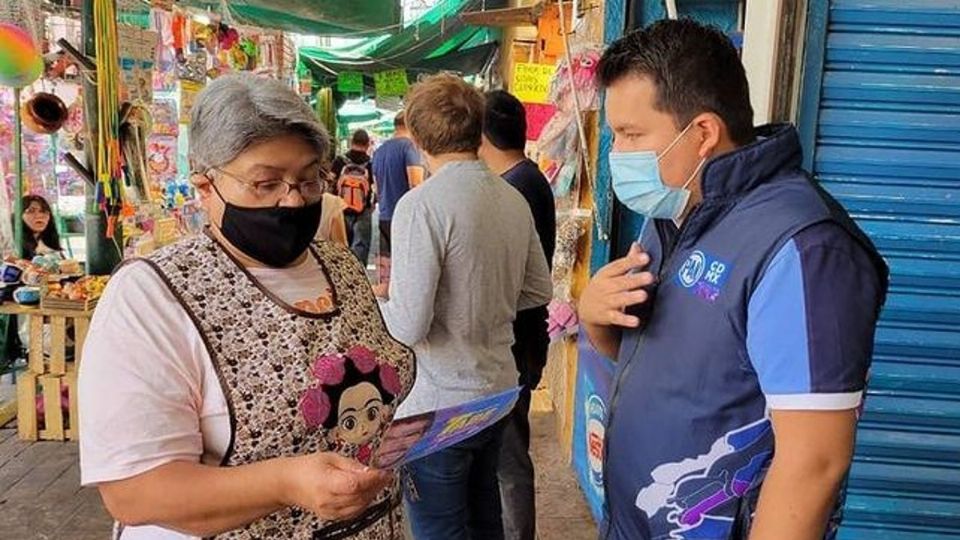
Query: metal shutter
[884, 123]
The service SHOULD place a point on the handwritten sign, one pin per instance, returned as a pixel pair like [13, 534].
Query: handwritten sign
[391, 83]
[350, 82]
[531, 82]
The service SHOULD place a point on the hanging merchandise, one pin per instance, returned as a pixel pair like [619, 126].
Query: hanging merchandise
[350, 82]
[562, 173]
[188, 94]
[562, 320]
[165, 117]
[73, 128]
[193, 67]
[44, 113]
[559, 137]
[20, 61]
[135, 127]
[572, 91]
[227, 36]
[250, 48]
[161, 163]
[137, 57]
[583, 80]
[326, 109]
[538, 114]
[108, 112]
[571, 226]
[393, 83]
[165, 55]
[179, 31]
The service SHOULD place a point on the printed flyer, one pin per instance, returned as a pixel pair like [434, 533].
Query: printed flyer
[412, 438]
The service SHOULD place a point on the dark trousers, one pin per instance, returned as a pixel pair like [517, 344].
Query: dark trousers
[457, 496]
[360, 234]
[383, 264]
[516, 471]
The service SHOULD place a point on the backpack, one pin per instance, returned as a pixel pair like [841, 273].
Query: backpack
[353, 186]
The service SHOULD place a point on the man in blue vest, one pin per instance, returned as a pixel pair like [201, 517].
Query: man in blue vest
[743, 319]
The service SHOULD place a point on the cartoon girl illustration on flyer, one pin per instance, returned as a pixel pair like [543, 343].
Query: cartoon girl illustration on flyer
[354, 398]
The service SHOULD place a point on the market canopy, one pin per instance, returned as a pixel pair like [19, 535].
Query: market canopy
[313, 17]
[420, 45]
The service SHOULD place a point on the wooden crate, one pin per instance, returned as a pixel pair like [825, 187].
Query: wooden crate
[58, 320]
[58, 424]
[59, 304]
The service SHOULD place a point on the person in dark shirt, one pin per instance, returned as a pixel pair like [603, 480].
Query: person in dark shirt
[504, 138]
[359, 226]
[396, 170]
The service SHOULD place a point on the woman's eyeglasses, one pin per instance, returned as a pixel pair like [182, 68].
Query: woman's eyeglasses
[271, 192]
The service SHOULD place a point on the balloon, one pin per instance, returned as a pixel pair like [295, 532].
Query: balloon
[20, 61]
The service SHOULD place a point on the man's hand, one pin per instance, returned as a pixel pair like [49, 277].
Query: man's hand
[382, 290]
[605, 299]
[331, 486]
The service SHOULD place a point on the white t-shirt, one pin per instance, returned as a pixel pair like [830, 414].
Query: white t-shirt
[148, 392]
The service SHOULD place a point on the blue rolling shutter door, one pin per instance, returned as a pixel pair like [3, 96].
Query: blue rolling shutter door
[888, 146]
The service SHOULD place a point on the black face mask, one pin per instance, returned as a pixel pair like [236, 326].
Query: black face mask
[275, 236]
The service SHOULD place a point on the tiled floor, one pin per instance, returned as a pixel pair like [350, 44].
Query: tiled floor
[41, 498]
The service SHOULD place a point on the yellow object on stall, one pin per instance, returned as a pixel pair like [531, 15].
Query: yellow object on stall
[531, 82]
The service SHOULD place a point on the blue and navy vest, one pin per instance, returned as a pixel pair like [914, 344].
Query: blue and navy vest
[689, 440]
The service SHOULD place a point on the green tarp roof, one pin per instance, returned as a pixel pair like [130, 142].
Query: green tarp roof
[311, 17]
[422, 44]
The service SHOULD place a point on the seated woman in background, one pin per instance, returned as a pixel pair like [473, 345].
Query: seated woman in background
[40, 235]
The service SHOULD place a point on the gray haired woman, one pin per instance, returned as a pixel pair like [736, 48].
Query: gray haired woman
[237, 384]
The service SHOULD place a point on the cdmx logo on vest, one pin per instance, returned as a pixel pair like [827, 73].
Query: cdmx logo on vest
[704, 275]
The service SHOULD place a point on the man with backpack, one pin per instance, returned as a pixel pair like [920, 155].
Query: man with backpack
[355, 186]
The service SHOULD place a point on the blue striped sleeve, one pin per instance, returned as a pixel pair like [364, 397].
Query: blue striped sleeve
[811, 322]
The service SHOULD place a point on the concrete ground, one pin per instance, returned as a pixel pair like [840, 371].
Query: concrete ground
[41, 497]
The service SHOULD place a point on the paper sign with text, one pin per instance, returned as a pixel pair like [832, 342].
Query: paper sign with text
[531, 82]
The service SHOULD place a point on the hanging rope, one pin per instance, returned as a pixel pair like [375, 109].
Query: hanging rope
[108, 111]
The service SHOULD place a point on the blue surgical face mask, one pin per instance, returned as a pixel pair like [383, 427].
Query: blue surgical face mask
[638, 185]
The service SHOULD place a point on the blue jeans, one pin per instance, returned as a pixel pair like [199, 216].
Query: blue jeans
[457, 494]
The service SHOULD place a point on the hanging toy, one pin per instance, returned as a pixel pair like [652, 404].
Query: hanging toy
[584, 64]
[74, 123]
[562, 320]
[20, 61]
[252, 50]
[238, 58]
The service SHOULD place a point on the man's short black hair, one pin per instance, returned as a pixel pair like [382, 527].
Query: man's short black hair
[360, 138]
[505, 121]
[695, 69]
[400, 120]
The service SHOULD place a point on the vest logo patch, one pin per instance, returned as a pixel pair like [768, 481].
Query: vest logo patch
[704, 275]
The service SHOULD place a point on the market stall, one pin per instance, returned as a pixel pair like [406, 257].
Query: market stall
[94, 112]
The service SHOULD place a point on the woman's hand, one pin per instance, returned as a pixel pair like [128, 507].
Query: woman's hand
[331, 486]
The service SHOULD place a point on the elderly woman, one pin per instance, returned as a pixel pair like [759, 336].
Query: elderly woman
[236, 384]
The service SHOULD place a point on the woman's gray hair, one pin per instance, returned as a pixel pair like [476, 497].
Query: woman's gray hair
[236, 111]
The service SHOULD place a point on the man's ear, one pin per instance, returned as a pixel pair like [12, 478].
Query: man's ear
[710, 132]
